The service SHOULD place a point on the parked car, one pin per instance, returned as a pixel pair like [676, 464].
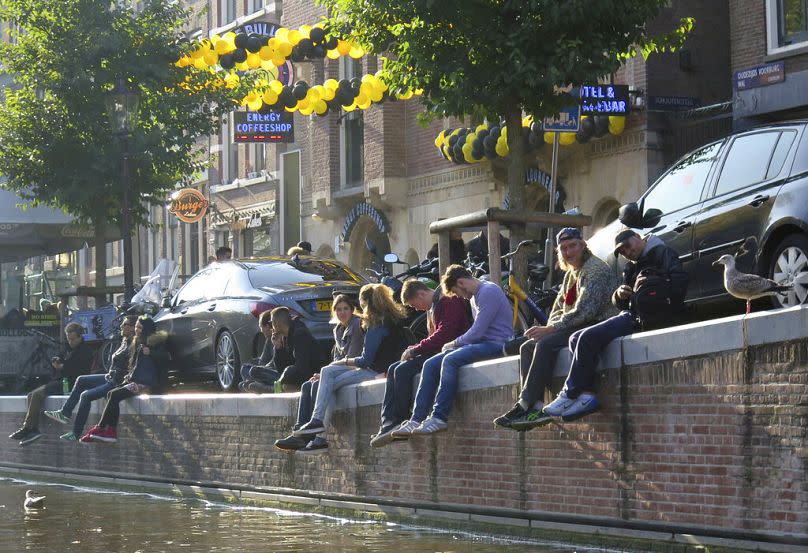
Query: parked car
[212, 320]
[748, 189]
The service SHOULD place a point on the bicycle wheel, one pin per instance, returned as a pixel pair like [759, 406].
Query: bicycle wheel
[105, 354]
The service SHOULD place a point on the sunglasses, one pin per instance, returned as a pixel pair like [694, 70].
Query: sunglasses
[266, 324]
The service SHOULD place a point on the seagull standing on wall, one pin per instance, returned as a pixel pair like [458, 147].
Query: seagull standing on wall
[33, 501]
[745, 286]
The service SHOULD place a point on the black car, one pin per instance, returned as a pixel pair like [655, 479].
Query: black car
[212, 320]
[749, 189]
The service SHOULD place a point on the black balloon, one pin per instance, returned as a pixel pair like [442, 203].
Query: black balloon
[535, 140]
[587, 126]
[453, 140]
[601, 125]
[535, 127]
[297, 55]
[227, 61]
[582, 137]
[331, 43]
[496, 130]
[317, 52]
[253, 44]
[317, 34]
[489, 143]
[304, 45]
[483, 133]
[241, 40]
[525, 133]
[300, 89]
[344, 84]
[286, 97]
[345, 98]
[477, 144]
[239, 56]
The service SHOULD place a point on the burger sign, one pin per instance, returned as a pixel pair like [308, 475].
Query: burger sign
[189, 205]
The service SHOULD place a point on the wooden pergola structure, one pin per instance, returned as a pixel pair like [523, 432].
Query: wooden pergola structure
[492, 220]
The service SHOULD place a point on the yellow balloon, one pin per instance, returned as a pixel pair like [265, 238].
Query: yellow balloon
[331, 84]
[267, 65]
[284, 49]
[501, 149]
[282, 34]
[253, 61]
[361, 99]
[406, 95]
[305, 31]
[276, 86]
[320, 107]
[231, 80]
[211, 57]
[356, 52]
[273, 42]
[278, 61]
[313, 95]
[266, 53]
[307, 110]
[364, 105]
[549, 137]
[343, 47]
[470, 138]
[367, 78]
[303, 104]
[376, 95]
[332, 54]
[467, 156]
[222, 47]
[291, 109]
[269, 97]
[242, 66]
[366, 88]
[256, 104]
[439, 139]
[481, 127]
[294, 37]
[616, 124]
[349, 108]
[566, 138]
[197, 53]
[328, 94]
[199, 63]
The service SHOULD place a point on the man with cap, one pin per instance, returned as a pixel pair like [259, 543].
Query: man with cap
[583, 300]
[645, 257]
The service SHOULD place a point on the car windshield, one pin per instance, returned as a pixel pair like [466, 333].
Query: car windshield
[299, 271]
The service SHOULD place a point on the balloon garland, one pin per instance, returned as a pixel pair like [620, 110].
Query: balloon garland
[243, 52]
[485, 141]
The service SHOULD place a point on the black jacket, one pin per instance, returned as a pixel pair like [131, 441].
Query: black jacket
[120, 363]
[664, 261]
[299, 350]
[149, 370]
[76, 362]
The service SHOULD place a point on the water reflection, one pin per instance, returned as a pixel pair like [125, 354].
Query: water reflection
[101, 521]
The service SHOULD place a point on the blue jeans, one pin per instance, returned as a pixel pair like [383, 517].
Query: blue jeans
[439, 378]
[87, 389]
[586, 346]
[308, 395]
[334, 377]
[398, 390]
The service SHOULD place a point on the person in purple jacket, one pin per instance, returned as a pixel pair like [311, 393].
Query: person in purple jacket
[447, 318]
[490, 330]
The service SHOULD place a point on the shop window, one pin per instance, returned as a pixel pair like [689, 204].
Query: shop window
[228, 11]
[256, 5]
[787, 24]
[352, 135]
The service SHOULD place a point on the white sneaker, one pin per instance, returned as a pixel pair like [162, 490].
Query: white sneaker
[557, 407]
[581, 406]
[430, 426]
[406, 429]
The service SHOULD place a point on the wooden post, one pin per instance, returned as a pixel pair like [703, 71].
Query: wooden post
[494, 261]
[443, 251]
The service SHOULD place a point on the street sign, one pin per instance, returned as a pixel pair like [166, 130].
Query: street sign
[762, 75]
[566, 121]
[672, 103]
[604, 99]
[254, 126]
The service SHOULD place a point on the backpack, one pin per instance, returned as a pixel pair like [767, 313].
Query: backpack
[651, 301]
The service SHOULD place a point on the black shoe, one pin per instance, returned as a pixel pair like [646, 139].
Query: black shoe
[506, 420]
[291, 443]
[17, 434]
[311, 428]
[30, 436]
[317, 445]
[530, 419]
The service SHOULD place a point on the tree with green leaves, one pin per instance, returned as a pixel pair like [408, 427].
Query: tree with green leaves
[56, 144]
[501, 58]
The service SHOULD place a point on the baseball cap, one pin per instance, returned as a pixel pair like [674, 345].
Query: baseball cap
[568, 233]
[622, 238]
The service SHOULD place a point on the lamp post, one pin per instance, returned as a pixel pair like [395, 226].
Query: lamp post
[122, 106]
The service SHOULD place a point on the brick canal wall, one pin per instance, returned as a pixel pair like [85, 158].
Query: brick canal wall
[704, 430]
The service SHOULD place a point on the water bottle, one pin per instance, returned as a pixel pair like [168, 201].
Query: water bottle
[574, 211]
[277, 387]
[65, 386]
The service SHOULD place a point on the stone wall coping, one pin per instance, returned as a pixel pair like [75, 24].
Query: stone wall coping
[690, 340]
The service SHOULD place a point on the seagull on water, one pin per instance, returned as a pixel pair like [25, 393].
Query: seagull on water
[745, 286]
[33, 501]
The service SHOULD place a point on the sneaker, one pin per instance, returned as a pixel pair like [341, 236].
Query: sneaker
[107, 435]
[581, 406]
[94, 430]
[87, 439]
[311, 428]
[406, 429]
[69, 437]
[556, 407]
[383, 437]
[317, 445]
[17, 434]
[291, 443]
[530, 419]
[256, 387]
[58, 416]
[506, 420]
[30, 436]
[431, 426]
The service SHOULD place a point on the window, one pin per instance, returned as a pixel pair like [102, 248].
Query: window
[256, 5]
[300, 272]
[259, 157]
[683, 184]
[780, 154]
[352, 135]
[229, 152]
[228, 11]
[198, 288]
[747, 161]
[787, 24]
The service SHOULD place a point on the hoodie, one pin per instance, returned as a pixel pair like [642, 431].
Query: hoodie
[149, 369]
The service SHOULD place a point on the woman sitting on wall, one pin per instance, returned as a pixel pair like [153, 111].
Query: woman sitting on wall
[147, 362]
[348, 339]
[382, 319]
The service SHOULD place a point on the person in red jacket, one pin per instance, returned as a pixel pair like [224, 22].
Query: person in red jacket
[447, 318]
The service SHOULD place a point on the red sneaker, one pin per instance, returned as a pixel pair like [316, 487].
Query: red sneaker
[87, 438]
[107, 435]
[94, 430]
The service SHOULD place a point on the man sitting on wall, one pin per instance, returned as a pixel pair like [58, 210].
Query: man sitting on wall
[76, 361]
[260, 377]
[652, 295]
[582, 301]
[294, 350]
[490, 330]
[447, 318]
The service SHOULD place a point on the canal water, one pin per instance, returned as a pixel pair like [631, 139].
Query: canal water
[88, 520]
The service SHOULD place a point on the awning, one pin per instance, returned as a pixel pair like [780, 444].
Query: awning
[36, 230]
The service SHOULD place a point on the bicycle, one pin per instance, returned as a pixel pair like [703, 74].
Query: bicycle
[519, 297]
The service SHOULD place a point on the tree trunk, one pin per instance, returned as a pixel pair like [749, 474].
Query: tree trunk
[100, 263]
[516, 185]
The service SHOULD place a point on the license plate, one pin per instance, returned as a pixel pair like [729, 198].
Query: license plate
[323, 305]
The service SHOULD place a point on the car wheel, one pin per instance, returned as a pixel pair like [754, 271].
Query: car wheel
[790, 266]
[228, 363]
